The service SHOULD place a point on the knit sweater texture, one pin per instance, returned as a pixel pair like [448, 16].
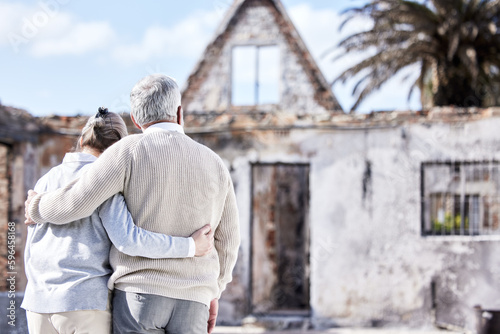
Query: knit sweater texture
[172, 185]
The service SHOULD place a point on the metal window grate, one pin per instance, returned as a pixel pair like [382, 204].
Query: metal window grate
[460, 198]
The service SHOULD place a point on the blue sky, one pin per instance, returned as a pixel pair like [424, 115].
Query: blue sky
[68, 57]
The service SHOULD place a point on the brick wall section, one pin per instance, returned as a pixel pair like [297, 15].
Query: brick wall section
[4, 213]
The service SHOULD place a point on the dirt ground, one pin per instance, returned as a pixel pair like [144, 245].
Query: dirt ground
[240, 330]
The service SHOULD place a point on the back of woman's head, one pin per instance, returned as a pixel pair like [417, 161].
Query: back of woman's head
[103, 130]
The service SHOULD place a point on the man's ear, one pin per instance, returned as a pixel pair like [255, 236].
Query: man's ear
[135, 123]
[80, 141]
[179, 115]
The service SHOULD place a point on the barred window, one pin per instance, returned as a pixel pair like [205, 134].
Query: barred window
[460, 198]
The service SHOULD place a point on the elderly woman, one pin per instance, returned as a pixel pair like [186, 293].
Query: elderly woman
[68, 265]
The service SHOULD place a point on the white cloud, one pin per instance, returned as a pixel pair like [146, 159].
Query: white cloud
[11, 14]
[74, 39]
[185, 39]
[46, 29]
[43, 30]
[320, 30]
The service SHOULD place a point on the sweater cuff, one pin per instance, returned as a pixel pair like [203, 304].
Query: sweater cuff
[34, 209]
[221, 287]
[192, 247]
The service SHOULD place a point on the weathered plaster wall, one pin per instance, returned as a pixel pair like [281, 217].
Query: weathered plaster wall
[370, 265]
[382, 267]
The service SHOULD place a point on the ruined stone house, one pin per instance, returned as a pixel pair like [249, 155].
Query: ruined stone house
[390, 218]
[383, 219]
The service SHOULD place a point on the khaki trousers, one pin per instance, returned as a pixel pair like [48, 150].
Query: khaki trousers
[75, 322]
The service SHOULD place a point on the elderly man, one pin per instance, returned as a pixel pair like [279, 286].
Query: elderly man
[172, 185]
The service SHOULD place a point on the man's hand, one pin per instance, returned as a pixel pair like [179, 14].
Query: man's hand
[204, 240]
[28, 220]
[212, 318]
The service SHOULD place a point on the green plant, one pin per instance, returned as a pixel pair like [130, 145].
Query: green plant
[450, 223]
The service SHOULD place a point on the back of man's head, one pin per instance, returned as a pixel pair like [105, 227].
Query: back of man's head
[155, 98]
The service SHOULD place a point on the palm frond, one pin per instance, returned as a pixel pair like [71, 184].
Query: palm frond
[461, 38]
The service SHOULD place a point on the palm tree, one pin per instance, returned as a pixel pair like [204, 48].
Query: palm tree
[455, 42]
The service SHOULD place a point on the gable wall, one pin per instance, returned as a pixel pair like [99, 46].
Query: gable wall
[255, 24]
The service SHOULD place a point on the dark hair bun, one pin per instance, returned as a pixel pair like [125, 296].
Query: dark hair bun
[102, 112]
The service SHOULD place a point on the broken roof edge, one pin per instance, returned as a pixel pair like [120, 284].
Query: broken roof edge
[371, 121]
[223, 25]
[18, 125]
[314, 71]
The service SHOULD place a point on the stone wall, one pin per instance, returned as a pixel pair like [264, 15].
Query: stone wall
[4, 212]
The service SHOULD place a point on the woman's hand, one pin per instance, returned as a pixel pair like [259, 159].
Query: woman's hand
[204, 240]
[31, 195]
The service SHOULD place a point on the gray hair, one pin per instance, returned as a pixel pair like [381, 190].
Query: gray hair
[155, 98]
[103, 130]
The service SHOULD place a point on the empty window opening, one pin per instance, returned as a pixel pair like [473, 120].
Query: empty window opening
[461, 198]
[255, 75]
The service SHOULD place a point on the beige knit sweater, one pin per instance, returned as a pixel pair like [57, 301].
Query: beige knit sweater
[172, 185]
